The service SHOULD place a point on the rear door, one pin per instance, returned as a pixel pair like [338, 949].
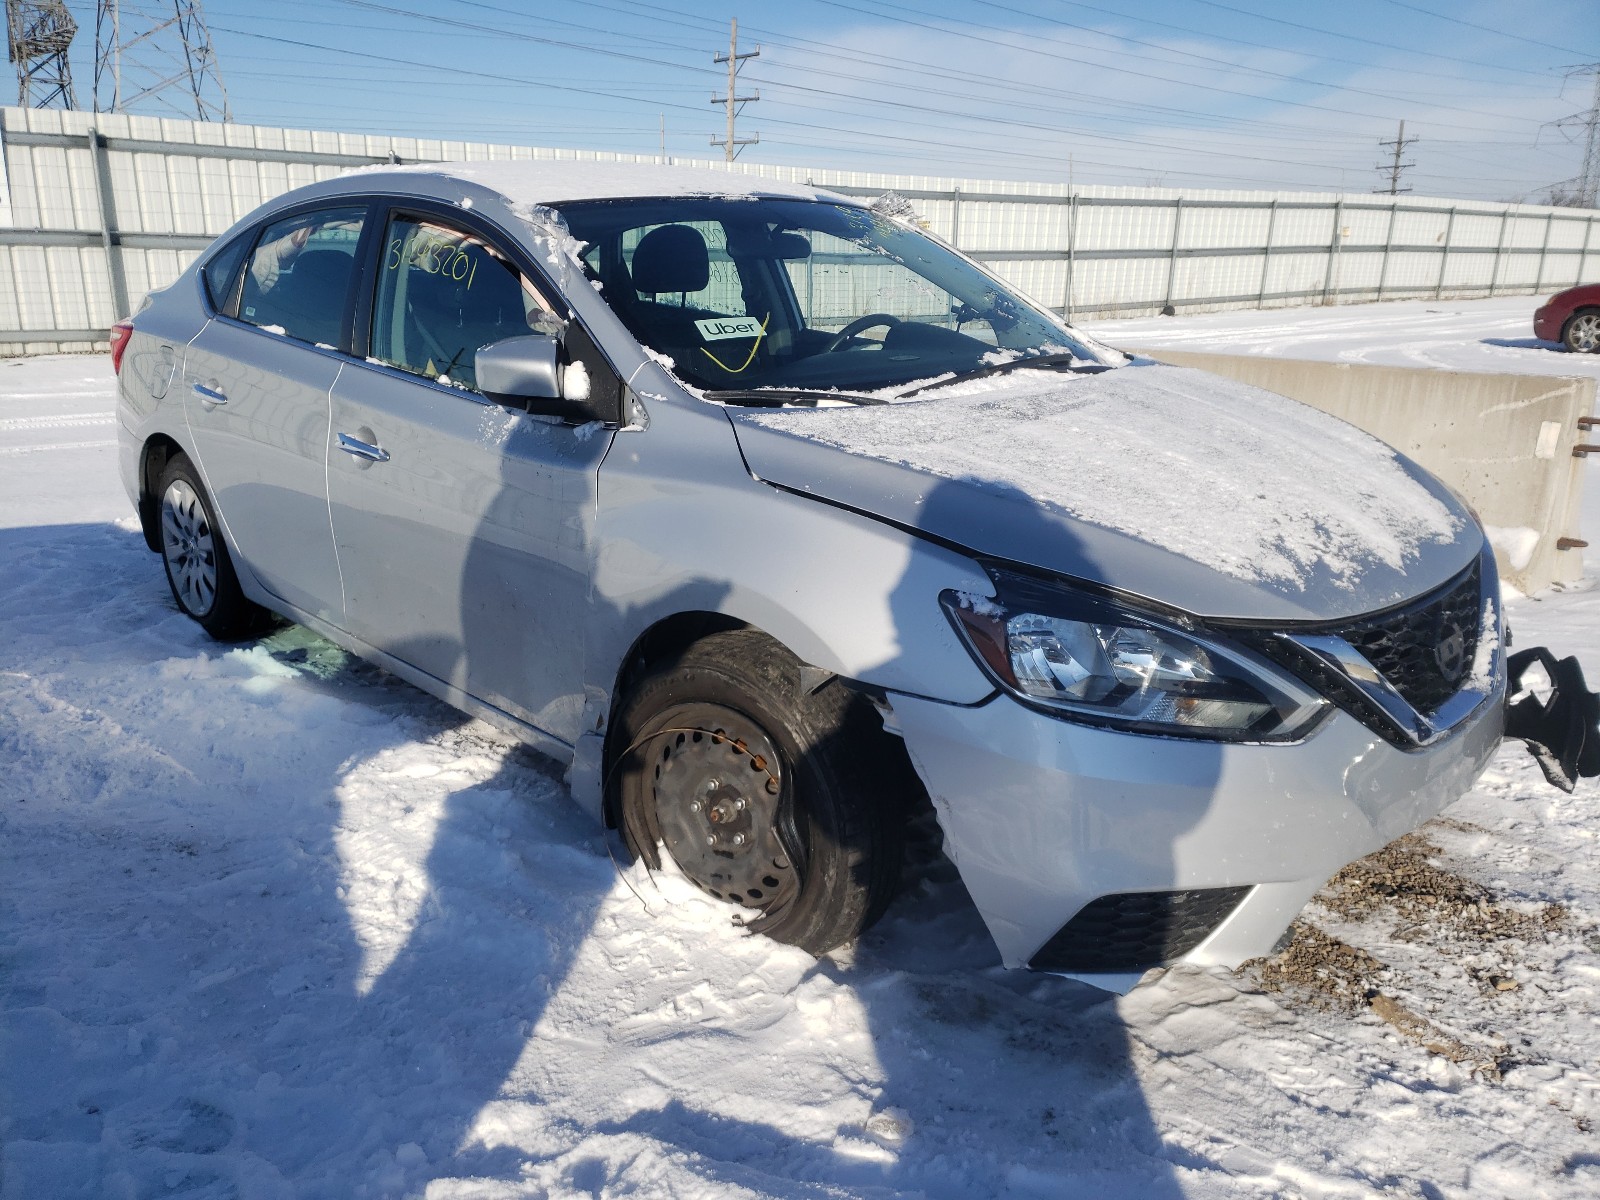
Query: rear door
[463, 527]
[256, 383]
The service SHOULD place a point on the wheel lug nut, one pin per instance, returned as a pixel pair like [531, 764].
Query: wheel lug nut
[738, 839]
[712, 785]
[739, 804]
[695, 806]
[711, 839]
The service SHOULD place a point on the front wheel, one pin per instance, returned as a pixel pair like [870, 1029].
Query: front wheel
[199, 571]
[1582, 334]
[765, 796]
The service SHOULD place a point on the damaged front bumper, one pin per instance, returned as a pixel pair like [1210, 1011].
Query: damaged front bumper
[1101, 854]
[1049, 821]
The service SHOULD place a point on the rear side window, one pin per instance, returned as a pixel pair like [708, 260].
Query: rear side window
[442, 294]
[297, 281]
[222, 269]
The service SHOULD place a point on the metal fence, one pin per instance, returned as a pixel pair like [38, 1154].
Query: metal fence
[97, 209]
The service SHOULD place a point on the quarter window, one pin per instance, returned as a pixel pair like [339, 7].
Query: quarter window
[222, 269]
[298, 279]
[442, 295]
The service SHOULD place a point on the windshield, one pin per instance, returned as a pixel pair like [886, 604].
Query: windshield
[744, 294]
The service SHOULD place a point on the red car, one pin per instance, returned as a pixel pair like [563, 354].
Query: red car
[1572, 318]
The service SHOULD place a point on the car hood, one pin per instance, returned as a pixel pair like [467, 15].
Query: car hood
[1163, 482]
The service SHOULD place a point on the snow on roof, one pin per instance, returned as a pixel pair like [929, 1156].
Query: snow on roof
[554, 181]
[1248, 483]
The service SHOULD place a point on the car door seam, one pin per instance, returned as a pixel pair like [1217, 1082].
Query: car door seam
[327, 497]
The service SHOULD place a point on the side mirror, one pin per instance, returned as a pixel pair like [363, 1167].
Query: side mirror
[520, 369]
[525, 372]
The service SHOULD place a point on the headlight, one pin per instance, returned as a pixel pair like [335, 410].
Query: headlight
[1096, 661]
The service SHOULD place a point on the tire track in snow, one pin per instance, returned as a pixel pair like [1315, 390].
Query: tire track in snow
[56, 446]
[67, 421]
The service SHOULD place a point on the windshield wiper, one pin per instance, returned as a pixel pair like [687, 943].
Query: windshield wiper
[777, 397]
[1072, 362]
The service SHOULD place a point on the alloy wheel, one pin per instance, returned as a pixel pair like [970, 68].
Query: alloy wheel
[1583, 335]
[186, 542]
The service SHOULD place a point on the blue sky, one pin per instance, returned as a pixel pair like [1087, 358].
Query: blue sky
[1185, 93]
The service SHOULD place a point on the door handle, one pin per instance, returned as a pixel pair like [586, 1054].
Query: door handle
[209, 396]
[362, 449]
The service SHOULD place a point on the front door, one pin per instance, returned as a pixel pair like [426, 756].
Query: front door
[462, 527]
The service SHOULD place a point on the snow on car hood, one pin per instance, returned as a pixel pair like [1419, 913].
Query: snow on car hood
[1165, 482]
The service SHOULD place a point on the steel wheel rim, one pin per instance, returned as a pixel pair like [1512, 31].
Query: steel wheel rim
[1585, 333]
[716, 778]
[188, 547]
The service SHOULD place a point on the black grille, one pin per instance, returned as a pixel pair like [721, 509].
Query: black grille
[1425, 650]
[1134, 931]
[1404, 644]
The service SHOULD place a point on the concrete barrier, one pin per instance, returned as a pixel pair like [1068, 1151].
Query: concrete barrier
[1508, 443]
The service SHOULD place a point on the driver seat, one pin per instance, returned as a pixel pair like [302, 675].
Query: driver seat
[668, 259]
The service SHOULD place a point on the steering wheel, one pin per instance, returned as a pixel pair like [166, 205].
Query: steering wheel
[856, 326]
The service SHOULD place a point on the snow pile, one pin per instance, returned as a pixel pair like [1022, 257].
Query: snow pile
[1251, 484]
[575, 381]
[1515, 545]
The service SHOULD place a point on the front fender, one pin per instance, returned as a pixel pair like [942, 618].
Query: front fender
[683, 527]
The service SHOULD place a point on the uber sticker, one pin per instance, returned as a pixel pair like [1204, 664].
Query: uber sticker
[717, 328]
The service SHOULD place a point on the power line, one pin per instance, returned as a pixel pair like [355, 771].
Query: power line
[1004, 138]
[1350, 37]
[1142, 19]
[1209, 60]
[857, 6]
[1428, 12]
[916, 108]
[903, 66]
[943, 144]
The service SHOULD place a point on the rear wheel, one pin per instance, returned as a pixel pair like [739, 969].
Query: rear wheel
[1582, 334]
[199, 571]
[784, 802]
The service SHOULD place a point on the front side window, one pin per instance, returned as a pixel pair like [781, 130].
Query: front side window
[297, 281]
[768, 293]
[442, 295]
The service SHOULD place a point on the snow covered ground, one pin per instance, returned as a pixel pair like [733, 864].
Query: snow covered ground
[1456, 335]
[273, 924]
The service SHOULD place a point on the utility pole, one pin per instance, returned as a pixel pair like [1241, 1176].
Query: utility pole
[37, 37]
[731, 144]
[157, 56]
[1587, 185]
[1400, 143]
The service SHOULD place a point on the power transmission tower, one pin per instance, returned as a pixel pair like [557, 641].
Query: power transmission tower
[1394, 168]
[731, 144]
[159, 56]
[1587, 183]
[37, 37]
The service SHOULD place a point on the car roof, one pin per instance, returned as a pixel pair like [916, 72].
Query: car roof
[547, 181]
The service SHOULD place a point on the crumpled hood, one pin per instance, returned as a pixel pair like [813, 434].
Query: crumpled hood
[1164, 482]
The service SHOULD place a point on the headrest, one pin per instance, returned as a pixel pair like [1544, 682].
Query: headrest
[671, 258]
[321, 268]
